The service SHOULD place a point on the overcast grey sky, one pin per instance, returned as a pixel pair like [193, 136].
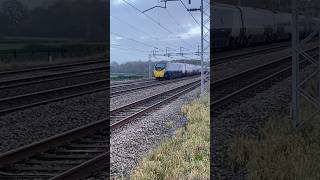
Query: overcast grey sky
[133, 35]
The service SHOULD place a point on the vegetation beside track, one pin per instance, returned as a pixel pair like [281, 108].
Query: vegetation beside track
[187, 154]
[280, 151]
[12, 65]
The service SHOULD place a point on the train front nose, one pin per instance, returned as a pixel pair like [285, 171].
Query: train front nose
[158, 74]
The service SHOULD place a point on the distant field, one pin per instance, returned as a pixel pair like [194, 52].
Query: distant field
[11, 42]
[18, 49]
[123, 76]
[35, 39]
[8, 46]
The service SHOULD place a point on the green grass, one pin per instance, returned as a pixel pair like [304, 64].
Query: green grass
[281, 152]
[187, 154]
[41, 61]
[124, 76]
[17, 54]
[8, 46]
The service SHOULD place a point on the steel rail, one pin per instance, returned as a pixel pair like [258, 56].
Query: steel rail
[81, 170]
[52, 77]
[128, 88]
[130, 81]
[9, 161]
[224, 59]
[101, 86]
[240, 95]
[78, 145]
[49, 67]
[14, 156]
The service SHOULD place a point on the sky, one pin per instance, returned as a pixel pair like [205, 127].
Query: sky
[134, 36]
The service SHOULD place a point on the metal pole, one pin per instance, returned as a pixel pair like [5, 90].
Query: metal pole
[150, 66]
[319, 66]
[295, 65]
[167, 52]
[202, 76]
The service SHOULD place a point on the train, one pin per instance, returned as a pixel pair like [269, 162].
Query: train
[172, 70]
[235, 27]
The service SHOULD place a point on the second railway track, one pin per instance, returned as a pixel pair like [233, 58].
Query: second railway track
[14, 103]
[54, 67]
[82, 151]
[247, 53]
[121, 89]
[235, 92]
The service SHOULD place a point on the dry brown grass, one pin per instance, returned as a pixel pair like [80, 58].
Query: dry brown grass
[280, 152]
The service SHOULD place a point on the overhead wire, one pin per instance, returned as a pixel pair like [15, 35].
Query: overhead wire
[152, 19]
[149, 17]
[134, 40]
[175, 21]
[190, 13]
[118, 46]
[120, 20]
[156, 22]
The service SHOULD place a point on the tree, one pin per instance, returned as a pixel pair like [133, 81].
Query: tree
[15, 13]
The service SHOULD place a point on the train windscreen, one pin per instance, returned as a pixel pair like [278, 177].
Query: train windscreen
[160, 66]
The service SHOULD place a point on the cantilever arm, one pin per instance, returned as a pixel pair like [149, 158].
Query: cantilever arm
[165, 6]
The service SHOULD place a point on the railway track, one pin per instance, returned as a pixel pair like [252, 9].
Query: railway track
[235, 89]
[14, 103]
[121, 89]
[83, 151]
[70, 155]
[126, 113]
[54, 67]
[129, 81]
[26, 81]
[28, 100]
[248, 53]
[44, 88]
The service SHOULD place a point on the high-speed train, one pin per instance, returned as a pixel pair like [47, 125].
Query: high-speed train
[171, 70]
[235, 26]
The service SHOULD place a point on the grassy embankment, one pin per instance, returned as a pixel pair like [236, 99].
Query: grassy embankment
[281, 152]
[187, 154]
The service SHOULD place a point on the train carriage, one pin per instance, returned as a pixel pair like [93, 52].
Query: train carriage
[227, 25]
[170, 70]
[235, 26]
[283, 26]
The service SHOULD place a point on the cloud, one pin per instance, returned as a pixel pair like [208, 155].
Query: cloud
[192, 32]
[119, 2]
[119, 38]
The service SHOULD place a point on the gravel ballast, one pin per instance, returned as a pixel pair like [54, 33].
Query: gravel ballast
[32, 88]
[236, 66]
[34, 124]
[119, 101]
[37, 73]
[130, 143]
